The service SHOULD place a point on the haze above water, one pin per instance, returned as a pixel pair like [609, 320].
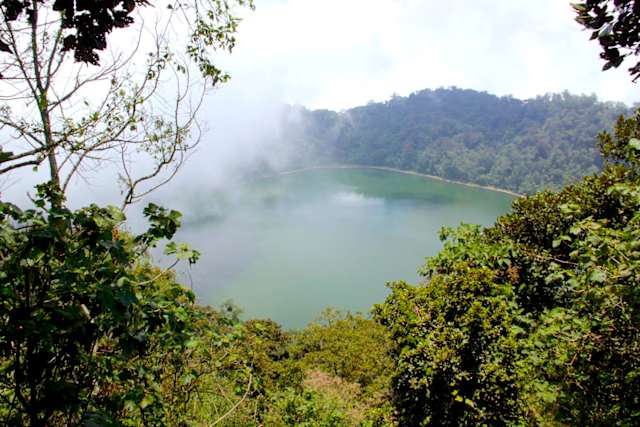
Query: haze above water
[286, 247]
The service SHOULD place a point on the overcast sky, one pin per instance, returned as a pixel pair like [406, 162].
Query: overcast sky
[342, 53]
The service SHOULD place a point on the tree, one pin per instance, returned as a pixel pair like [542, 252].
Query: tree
[519, 145]
[348, 346]
[135, 103]
[616, 25]
[90, 331]
[535, 320]
[454, 339]
[81, 311]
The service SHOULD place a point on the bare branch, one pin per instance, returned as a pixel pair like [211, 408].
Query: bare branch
[20, 165]
[80, 116]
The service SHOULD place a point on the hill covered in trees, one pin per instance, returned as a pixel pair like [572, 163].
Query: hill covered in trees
[462, 135]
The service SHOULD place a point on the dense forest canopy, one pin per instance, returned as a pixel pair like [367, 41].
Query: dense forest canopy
[463, 135]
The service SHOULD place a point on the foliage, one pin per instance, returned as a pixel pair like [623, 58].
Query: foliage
[324, 400]
[90, 331]
[254, 373]
[616, 26]
[81, 311]
[306, 409]
[582, 359]
[263, 347]
[455, 341]
[88, 25]
[343, 351]
[464, 135]
[85, 27]
[209, 382]
[534, 320]
[347, 346]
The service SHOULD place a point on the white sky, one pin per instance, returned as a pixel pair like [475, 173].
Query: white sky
[342, 53]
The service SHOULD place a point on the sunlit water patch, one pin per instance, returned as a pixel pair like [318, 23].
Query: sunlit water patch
[288, 246]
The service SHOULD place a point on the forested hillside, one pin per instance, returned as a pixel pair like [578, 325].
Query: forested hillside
[463, 135]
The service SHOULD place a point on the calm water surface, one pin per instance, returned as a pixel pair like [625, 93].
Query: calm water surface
[286, 247]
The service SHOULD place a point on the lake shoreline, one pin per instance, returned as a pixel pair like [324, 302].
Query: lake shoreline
[405, 172]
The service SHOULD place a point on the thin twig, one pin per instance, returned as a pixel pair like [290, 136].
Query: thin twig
[233, 408]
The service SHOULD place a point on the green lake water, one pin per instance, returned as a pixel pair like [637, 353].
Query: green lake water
[287, 247]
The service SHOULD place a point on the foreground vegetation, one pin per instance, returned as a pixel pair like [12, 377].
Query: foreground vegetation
[535, 320]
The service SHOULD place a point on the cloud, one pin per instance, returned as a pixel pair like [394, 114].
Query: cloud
[338, 54]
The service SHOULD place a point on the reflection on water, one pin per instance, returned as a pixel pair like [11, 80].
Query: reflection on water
[355, 200]
[286, 247]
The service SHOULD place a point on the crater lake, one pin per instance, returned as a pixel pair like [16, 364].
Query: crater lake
[288, 246]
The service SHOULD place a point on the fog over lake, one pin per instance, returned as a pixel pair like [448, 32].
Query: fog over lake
[288, 246]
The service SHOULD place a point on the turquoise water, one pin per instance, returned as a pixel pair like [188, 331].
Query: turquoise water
[286, 247]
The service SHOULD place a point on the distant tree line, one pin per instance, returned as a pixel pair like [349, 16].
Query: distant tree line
[465, 135]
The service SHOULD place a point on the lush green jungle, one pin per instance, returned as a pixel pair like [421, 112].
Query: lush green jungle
[534, 320]
[462, 135]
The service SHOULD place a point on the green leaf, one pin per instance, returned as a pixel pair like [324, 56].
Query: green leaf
[634, 143]
[187, 379]
[5, 155]
[598, 276]
[146, 401]
[129, 405]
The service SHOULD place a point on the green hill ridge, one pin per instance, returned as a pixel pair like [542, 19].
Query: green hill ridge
[462, 135]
